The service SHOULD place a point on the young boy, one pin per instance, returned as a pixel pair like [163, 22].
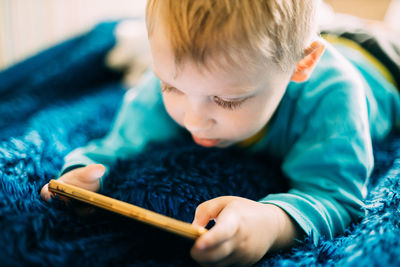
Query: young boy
[255, 74]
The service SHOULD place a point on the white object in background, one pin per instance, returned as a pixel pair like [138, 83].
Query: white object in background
[392, 17]
[131, 53]
[29, 26]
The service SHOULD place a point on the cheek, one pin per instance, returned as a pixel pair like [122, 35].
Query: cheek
[174, 106]
[247, 121]
[242, 123]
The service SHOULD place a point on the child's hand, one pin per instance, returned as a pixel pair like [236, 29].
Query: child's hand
[244, 231]
[85, 177]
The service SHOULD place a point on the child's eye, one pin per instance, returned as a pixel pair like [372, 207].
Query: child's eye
[228, 104]
[231, 105]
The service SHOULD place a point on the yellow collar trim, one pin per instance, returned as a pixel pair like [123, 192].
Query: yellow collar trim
[254, 139]
[349, 43]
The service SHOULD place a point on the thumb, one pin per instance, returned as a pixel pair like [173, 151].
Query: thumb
[209, 210]
[92, 172]
[87, 174]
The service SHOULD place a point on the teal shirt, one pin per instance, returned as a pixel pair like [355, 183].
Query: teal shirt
[322, 131]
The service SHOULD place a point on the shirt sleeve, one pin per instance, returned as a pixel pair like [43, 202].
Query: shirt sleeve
[329, 164]
[141, 118]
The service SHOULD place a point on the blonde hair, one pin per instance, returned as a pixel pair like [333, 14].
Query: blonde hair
[235, 31]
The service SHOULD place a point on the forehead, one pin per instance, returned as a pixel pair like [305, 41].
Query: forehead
[228, 79]
[189, 78]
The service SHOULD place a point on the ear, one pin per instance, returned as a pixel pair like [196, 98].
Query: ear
[307, 64]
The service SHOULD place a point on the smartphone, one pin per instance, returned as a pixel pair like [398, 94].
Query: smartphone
[126, 209]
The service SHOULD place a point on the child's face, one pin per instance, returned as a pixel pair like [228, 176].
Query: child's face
[218, 107]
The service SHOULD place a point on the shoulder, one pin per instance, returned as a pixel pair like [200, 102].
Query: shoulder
[332, 101]
[334, 74]
[147, 90]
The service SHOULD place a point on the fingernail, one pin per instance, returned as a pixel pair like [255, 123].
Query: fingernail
[97, 173]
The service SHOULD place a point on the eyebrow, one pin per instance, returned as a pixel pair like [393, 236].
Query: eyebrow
[248, 90]
[158, 76]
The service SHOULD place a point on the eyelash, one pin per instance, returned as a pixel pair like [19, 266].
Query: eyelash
[231, 105]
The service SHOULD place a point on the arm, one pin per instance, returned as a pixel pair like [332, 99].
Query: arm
[142, 118]
[329, 165]
[244, 231]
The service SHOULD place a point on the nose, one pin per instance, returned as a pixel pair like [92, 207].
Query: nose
[196, 120]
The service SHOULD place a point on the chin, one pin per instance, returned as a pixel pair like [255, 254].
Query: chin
[225, 144]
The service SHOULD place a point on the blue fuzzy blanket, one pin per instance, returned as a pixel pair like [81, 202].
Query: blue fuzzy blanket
[65, 96]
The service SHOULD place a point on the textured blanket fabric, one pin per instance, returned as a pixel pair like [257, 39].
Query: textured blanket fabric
[65, 96]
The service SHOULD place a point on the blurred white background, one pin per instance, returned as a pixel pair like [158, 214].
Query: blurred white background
[28, 26]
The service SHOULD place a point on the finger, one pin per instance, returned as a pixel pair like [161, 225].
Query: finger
[85, 177]
[87, 174]
[214, 255]
[45, 193]
[209, 210]
[226, 226]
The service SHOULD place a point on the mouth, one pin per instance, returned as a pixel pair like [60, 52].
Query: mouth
[205, 142]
